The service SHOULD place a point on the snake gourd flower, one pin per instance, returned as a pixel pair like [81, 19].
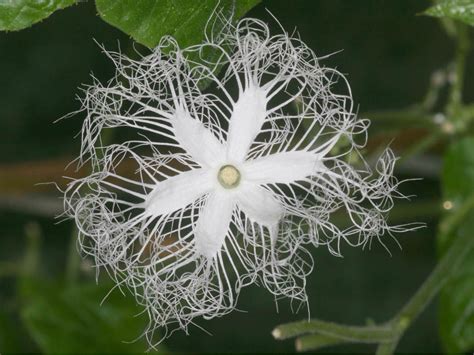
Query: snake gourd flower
[207, 191]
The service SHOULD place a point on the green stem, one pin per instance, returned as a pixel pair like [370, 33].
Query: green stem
[389, 334]
[413, 117]
[31, 263]
[370, 334]
[387, 348]
[433, 284]
[437, 82]
[316, 341]
[455, 95]
[422, 145]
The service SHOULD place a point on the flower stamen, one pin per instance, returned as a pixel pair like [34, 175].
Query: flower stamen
[228, 176]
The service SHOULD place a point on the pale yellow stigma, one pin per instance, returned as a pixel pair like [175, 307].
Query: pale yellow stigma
[228, 176]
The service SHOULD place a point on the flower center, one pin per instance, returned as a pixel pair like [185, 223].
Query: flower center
[228, 176]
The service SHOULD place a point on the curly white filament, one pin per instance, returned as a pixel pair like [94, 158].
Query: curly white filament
[210, 191]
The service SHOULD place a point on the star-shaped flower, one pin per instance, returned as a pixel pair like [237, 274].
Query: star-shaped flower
[210, 191]
[230, 181]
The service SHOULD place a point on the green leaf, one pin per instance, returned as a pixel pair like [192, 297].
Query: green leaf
[10, 336]
[19, 14]
[149, 20]
[462, 10]
[458, 170]
[72, 319]
[456, 304]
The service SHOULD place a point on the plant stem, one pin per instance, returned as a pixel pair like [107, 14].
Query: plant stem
[30, 264]
[316, 341]
[413, 117]
[433, 284]
[422, 145]
[455, 95]
[370, 334]
[389, 334]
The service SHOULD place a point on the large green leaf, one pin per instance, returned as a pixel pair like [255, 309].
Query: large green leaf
[19, 14]
[70, 319]
[457, 297]
[148, 20]
[462, 10]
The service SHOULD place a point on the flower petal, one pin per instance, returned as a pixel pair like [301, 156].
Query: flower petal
[247, 118]
[197, 140]
[213, 223]
[260, 206]
[283, 167]
[179, 191]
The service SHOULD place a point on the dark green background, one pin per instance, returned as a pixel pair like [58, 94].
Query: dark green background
[388, 55]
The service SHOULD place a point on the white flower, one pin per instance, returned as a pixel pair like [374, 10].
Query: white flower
[210, 191]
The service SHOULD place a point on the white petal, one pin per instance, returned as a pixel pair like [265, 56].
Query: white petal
[179, 191]
[247, 118]
[197, 140]
[260, 206]
[283, 167]
[213, 223]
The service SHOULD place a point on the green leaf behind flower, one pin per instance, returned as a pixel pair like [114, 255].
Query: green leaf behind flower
[457, 297]
[462, 10]
[19, 14]
[71, 319]
[146, 21]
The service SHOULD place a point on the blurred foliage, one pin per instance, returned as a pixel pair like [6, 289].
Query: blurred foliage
[19, 14]
[389, 68]
[71, 318]
[457, 297]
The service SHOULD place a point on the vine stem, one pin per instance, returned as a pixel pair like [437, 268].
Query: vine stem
[340, 331]
[461, 246]
[455, 96]
[388, 335]
[422, 145]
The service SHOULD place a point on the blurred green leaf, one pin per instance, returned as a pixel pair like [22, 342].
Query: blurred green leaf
[462, 10]
[19, 14]
[457, 297]
[10, 336]
[72, 320]
[149, 20]
[458, 170]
